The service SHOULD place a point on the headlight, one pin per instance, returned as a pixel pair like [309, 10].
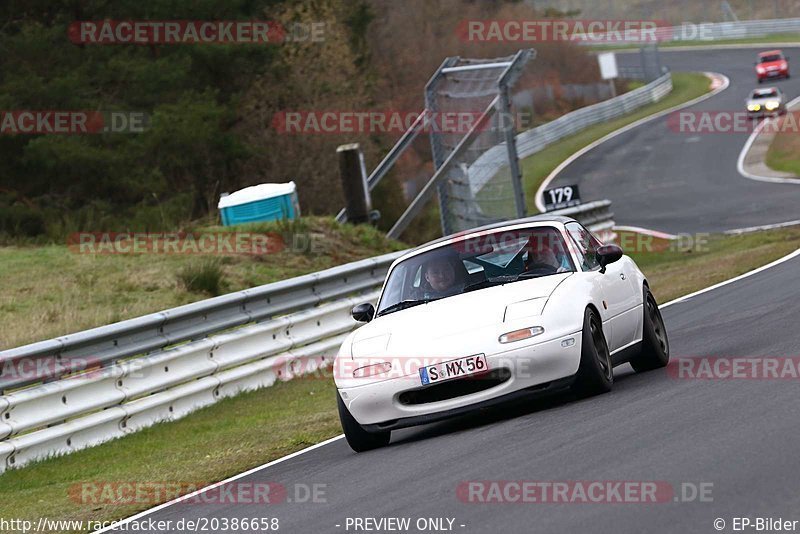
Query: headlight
[753, 107]
[760, 70]
[371, 370]
[771, 105]
[519, 335]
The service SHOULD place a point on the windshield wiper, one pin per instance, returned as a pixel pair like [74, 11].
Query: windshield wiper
[403, 304]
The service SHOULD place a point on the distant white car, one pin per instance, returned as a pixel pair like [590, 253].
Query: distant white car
[464, 322]
[766, 101]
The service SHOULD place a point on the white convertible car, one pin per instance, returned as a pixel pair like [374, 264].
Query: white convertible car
[528, 306]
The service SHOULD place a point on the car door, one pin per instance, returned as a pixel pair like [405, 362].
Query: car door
[620, 315]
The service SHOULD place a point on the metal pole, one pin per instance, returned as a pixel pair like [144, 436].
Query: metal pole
[427, 191]
[354, 183]
[436, 144]
[507, 123]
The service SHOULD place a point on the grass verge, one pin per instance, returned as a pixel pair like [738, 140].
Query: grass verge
[52, 290]
[783, 153]
[535, 168]
[210, 445]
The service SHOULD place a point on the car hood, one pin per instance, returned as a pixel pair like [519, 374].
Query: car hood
[429, 326]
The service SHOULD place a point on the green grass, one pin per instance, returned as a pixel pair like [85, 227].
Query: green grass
[209, 445]
[203, 276]
[784, 151]
[239, 433]
[766, 39]
[51, 290]
[705, 259]
[535, 168]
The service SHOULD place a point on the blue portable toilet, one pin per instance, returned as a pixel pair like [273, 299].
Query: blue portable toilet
[263, 202]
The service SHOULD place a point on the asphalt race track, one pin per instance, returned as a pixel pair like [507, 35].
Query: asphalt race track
[662, 179]
[738, 437]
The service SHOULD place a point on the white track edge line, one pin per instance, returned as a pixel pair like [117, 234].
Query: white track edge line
[646, 231]
[149, 511]
[749, 229]
[757, 270]
[550, 177]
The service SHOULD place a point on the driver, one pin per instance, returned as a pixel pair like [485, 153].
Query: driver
[545, 258]
[440, 274]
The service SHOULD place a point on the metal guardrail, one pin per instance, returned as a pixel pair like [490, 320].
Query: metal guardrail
[714, 31]
[703, 31]
[532, 141]
[107, 344]
[78, 390]
[239, 342]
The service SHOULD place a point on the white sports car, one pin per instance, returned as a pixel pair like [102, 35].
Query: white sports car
[467, 321]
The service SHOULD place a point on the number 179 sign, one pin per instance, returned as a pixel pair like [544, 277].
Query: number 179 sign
[561, 197]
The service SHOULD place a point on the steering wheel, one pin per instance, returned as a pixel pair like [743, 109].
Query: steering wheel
[539, 269]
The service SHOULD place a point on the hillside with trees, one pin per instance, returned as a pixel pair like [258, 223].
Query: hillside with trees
[210, 107]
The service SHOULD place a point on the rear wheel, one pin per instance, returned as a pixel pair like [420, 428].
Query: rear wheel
[359, 439]
[655, 343]
[595, 374]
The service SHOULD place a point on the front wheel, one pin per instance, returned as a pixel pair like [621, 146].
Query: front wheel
[359, 439]
[655, 344]
[595, 374]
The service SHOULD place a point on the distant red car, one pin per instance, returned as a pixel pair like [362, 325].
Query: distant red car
[772, 64]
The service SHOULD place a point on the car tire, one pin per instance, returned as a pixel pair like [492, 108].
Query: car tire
[595, 373]
[359, 439]
[655, 342]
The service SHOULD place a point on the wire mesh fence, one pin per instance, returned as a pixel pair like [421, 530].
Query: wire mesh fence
[475, 191]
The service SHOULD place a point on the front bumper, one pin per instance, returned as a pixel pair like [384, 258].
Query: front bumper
[771, 74]
[542, 366]
[764, 112]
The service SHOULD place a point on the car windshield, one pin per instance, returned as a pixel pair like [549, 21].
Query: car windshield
[770, 58]
[764, 93]
[475, 263]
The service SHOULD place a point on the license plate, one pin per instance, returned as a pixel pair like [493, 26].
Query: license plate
[453, 369]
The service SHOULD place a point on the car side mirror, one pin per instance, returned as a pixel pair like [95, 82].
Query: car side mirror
[608, 254]
[363, 313]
